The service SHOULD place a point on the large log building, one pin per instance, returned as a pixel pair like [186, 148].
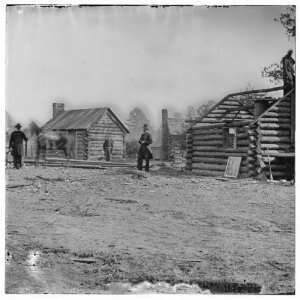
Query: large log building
[89, 128]
[252, 125]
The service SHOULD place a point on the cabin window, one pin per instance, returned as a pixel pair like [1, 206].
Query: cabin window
[230, 137]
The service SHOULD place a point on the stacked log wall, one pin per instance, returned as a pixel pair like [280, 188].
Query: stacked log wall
[274, 136]
[96, 135]
[81, 144]
[189, 150]
[209, 155]
[252, 161]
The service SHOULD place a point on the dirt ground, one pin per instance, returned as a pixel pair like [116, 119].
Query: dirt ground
[96, 231]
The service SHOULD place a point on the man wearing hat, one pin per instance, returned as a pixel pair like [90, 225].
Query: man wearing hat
[16, 145]
[144, 152]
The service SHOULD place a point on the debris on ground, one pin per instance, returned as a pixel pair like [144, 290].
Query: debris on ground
[169, 227]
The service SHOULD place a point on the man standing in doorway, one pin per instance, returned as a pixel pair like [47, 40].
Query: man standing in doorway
[144, 152]
[16, 145]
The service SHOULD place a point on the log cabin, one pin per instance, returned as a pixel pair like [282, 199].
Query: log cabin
[89, 128]
[252, 125]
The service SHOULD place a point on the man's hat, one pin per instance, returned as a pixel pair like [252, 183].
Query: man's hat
[18, 126]
[145, 125]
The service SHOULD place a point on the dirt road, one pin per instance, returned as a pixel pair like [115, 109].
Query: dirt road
[94, 231]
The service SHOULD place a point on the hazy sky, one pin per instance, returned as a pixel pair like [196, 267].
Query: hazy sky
[135, 56]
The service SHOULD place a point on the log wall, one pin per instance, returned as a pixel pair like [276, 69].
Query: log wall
[257, 140]
[206, 154]
[273, 132]
[96, 135]
[81, 144]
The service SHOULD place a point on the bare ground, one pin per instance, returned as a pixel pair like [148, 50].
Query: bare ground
[85, 231]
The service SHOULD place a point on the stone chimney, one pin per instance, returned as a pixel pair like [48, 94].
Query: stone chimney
[164, 153]
[58, 108]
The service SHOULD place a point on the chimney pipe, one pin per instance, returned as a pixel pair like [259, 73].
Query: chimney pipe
[58, 108]
[164, 136]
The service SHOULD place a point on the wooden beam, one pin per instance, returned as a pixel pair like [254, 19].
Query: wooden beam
[273, 105]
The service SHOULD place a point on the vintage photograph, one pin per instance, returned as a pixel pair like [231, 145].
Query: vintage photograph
[150, 149]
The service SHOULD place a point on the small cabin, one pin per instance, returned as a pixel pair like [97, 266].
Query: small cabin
[252, 125]
[89, 127]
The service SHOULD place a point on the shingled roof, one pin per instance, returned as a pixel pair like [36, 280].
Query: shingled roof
[80, 119]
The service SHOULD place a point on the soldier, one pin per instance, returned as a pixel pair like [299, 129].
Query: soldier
[288, 72]
[16, 145]
[108, 147]
[144, 152]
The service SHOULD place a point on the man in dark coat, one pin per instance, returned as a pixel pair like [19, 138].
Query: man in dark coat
[144, 152]
[108, 147]
[16, 145]
[288, 72]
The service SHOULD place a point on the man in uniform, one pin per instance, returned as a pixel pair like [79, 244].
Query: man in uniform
[144, 152]
[16, 145]
[288, 72]
[108, 147]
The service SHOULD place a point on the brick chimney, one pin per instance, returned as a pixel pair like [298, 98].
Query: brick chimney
[58, 108]
[164, 153]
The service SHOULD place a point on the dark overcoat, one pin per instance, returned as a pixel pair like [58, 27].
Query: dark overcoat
[16, 142]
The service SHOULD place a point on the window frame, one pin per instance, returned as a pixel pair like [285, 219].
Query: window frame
[227, 137]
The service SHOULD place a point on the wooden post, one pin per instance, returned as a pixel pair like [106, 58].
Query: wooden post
[164, 136]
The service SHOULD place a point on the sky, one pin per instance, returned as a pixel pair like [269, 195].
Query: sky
[122, 57]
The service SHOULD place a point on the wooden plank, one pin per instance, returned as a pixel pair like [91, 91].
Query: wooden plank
[205, 159]
[278, 114]
[274, 139]
[218, 154]
[275, 146]
[233, 167]
[279, 133]
[219, 149]
[274, 126]
[208, 137]
[265, 119]
[278, 153]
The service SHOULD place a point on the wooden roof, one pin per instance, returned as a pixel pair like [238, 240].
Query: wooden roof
[80, 119]
[237, 107]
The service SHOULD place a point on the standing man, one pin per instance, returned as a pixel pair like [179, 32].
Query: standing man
[144, 152]
[108, 147]
[16, 145]
[288, 72]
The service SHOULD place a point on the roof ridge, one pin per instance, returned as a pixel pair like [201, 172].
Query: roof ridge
[77, 109]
